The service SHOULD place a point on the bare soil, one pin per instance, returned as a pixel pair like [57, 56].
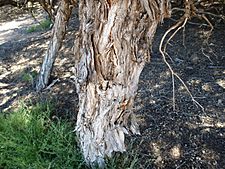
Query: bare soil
[185, 138]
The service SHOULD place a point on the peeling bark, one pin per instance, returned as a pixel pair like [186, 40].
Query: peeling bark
[112, 48]
[58, 33]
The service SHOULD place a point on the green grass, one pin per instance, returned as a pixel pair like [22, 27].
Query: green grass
[127, 160]
[29, 76]
[31, 138]
[43, 25]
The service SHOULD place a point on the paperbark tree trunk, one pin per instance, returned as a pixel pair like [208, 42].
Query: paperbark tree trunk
[58, 33]
[112, 48]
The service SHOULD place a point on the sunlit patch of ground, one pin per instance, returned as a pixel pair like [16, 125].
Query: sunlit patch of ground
[9, 30]
[21, 54]
[15, 29]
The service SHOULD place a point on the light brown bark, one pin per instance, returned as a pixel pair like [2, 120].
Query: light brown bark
[58, 33]
[113, 46]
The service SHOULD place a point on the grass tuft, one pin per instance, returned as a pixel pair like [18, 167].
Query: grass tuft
[29, 138]
[29, 76]
[126, 160]
[43, 25]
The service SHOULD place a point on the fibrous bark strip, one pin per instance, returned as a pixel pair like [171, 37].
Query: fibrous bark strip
[111, 50]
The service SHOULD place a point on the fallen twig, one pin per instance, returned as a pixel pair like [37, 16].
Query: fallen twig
[52, 84]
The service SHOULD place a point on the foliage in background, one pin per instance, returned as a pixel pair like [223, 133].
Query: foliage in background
[43, 25]
[31, 138]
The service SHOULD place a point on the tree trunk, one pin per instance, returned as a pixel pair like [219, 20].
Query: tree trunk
[49, 7]
[58, 33]
[112, 48]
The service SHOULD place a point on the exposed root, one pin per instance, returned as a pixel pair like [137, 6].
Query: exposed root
[206, 55]
[207, 35]
[202, 13]
[163, 46]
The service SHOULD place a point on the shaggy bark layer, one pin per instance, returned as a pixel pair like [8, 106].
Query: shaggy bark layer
[111, 51]
[58, 33]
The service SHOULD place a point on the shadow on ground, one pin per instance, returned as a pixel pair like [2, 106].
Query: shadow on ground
[187, 137]
[20, 60]
[183, 138]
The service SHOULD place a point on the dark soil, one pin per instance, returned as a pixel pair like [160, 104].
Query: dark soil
[185, 138]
